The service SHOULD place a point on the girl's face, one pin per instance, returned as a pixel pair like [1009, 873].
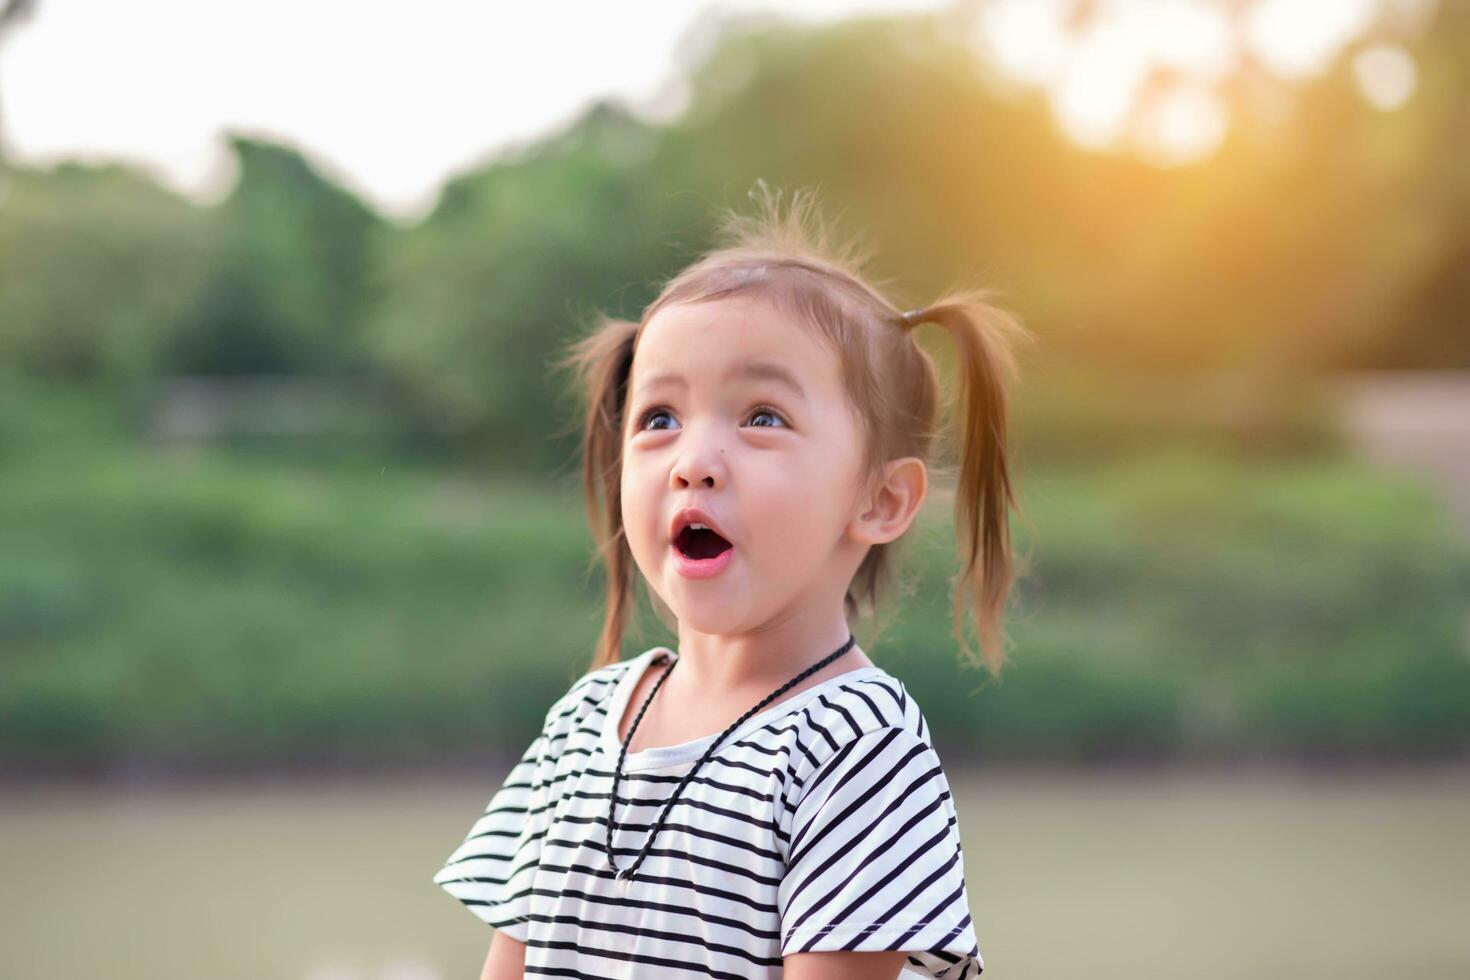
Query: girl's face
[739, 412]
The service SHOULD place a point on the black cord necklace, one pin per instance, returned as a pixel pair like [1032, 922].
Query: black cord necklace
[626, 875]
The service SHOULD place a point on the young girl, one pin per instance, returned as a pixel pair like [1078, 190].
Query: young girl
[763, 800]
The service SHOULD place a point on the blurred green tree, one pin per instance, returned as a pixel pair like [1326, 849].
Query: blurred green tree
[288, 279]
[96, 265]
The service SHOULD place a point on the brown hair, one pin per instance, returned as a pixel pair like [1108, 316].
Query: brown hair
[789, 261]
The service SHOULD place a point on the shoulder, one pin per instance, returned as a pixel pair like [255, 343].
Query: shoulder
[584, 696]
[869, 720]
[875, 702]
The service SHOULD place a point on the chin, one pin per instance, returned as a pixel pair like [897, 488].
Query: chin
[712, 615]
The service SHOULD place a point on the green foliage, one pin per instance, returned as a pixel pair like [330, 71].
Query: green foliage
[480, 296]
[223, 607]
[95, 263]
[1187, 603]
[1331, 235]
[289, 279]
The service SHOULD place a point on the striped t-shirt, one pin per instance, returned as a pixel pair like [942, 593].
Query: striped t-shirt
[824, 822]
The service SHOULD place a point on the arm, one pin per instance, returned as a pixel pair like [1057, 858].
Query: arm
[843, 965]
[506, 959]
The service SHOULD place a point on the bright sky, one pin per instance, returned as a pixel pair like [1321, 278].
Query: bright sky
[390, 100]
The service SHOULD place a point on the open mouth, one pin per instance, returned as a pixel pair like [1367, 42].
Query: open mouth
[700, 543]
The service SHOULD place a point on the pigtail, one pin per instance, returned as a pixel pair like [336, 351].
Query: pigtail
[984, 338]
[601, 362]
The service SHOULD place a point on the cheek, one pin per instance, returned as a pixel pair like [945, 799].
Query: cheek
[646, 507]
[810, 496]
[639, 506]
[789, 502]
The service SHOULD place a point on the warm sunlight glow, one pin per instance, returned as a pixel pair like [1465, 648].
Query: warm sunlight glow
[1297, 38]
[1094, 78]
[1184, 125]
[1387, 75]
[1095, 75]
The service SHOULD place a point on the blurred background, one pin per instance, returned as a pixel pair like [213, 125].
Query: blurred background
[292, 550]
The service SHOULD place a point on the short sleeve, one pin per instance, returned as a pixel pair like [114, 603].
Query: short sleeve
[874, 860]
[492, 871]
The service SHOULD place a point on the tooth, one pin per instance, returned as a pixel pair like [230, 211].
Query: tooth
[698, 527]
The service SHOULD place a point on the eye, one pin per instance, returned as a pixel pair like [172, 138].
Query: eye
[763, 410]
[651, 413]
[758, 411]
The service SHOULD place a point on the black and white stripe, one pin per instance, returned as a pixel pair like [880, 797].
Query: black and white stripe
[822, 823]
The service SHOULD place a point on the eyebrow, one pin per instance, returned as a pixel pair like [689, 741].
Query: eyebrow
[757, 370]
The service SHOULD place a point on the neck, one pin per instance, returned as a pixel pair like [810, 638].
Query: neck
[716, 664]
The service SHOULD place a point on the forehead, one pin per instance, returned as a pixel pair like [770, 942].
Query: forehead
[710, 340]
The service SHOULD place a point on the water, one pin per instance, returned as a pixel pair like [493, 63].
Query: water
[1070, 875]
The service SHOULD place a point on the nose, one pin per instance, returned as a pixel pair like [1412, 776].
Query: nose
[700, 464]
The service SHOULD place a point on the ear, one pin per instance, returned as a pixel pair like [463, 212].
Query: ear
[893, 503]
